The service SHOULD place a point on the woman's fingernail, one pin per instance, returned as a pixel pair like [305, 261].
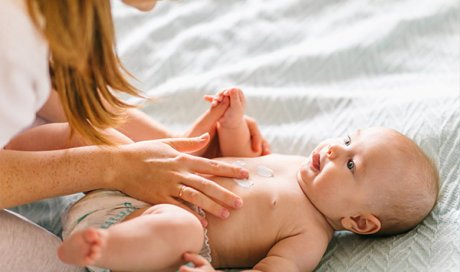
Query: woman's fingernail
[244, 173]
[204, 222]
[238, 203]
[225, 213]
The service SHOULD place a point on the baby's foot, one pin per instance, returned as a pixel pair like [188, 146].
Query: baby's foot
[234, 115]
[83, 247]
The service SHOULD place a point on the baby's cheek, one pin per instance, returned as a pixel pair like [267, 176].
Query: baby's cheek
[327, 183]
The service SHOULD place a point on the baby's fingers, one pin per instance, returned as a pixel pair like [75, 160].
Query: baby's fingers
[200, 263]
[213, 100]
[208, 98]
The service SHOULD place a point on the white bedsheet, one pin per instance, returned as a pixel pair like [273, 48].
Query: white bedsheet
[312, 70]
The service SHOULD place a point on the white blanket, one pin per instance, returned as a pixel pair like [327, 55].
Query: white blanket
[313, 70]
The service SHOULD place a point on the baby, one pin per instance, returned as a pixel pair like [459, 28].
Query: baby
[372, 182]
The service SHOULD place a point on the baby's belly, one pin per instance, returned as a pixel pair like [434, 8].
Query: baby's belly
[246, 236]
[249, 233]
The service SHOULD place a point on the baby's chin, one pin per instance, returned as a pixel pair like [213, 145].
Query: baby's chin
[301, 181]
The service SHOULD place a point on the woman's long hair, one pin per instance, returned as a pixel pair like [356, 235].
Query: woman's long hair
[84, 65]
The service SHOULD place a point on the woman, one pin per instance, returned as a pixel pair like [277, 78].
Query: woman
[68, 46]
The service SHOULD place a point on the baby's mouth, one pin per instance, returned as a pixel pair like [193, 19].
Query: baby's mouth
[315, 162]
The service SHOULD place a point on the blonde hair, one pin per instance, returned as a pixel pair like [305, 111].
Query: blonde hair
[407, 206]
[84, 66]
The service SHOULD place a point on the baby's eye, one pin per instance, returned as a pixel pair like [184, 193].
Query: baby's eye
[351, 164]
[347, 140]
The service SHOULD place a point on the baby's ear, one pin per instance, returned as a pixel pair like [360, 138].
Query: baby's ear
[362, 224]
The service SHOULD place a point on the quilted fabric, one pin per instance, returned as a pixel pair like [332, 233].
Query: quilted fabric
[313, 70]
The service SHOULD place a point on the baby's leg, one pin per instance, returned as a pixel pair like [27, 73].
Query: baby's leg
[153, 241]
[234, 134]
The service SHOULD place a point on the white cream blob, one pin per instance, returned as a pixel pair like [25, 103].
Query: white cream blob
[261, 170]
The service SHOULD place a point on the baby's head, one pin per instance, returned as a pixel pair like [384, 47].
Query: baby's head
[373, 181]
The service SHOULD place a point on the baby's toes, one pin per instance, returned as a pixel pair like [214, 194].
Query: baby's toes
[94, 254]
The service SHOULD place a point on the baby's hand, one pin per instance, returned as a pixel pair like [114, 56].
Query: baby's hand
[200, 263]
[234, 115]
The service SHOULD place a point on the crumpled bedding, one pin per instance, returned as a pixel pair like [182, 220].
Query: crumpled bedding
[313, 70]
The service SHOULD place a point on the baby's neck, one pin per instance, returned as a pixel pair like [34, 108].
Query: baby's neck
[336, 226]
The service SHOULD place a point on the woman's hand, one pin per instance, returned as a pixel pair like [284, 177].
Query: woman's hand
[159, 172]
[258, 142]
[200, 263]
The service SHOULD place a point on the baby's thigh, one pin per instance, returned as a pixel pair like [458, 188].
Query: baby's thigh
[175, 224]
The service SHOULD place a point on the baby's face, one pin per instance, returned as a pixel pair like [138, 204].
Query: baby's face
[341, 176]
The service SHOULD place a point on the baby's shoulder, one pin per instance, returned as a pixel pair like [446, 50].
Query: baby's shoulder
[305, 222]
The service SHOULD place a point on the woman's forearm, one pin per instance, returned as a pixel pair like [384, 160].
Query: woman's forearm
[140, 127]
[30, 176]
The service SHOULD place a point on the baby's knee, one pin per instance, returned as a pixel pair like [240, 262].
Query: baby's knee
[179, 226]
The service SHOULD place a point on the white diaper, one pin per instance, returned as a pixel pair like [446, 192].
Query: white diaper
[103, 208]
[99, 209]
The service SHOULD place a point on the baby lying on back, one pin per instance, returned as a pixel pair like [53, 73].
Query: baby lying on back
[373, 181]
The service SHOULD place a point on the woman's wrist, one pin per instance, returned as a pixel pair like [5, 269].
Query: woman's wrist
[109, 162]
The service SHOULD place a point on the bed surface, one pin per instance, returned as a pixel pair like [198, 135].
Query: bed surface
[313, 70]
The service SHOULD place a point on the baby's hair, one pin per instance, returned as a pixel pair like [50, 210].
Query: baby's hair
[404, 209]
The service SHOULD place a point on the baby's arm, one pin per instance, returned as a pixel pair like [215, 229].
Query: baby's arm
[55, 136]
[295, 253]
[232, 129]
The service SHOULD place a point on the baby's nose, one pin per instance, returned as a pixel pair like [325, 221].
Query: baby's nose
[332, 151]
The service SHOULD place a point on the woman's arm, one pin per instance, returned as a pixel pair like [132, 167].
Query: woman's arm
[55, 136]
[30, 176]
[153, 171]
[138, 126]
